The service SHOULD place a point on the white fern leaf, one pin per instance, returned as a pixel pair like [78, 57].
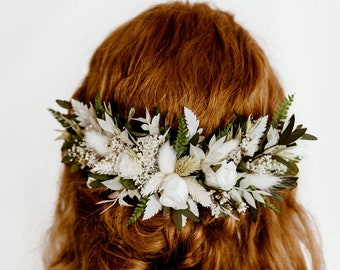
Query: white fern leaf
[220, 150]
[192, 122]
[83, 112]
[153, 206]
[193, 207]
[255, 134]
[113, 184]
[257, 196]
[153, 184]
[197, 153]
[108, 125]
[260, 181]
[249, 198]
[197, 192]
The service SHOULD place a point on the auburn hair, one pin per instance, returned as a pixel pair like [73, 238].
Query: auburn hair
[170, 56]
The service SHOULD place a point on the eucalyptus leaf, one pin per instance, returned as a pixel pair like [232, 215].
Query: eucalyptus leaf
[177, 219]
[101, 177]
[165, 210]
[67, 159]
[189, 214]
[309, 137]
[288, 130]
[194, 139]
[289, 165]
[64, 104]
[295, 135]
[128, 183]
[96, 184]
[75, 167]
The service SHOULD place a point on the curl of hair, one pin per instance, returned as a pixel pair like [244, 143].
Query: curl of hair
[170, 56]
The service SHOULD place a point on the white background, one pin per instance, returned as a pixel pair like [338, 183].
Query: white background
[45, 47]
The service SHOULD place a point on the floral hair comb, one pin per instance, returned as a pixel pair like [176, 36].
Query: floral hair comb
[153, 168]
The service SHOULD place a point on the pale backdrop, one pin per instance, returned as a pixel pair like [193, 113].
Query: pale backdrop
[45, 47]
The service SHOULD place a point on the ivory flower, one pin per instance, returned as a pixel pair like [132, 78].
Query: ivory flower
[127, 166]
[174, 188]
[224, 178]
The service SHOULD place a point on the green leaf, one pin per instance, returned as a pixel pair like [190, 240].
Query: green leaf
[295, 135]
[182, 140]
[281, 111]
[165, 210]
[67, 159]
[101, 177]
[292, 167]
[64, 104]
[272, 207]
[99, 107]
[189, 214]
[309, 137]
[66, 121]
[286, 133]
[177, 219]
[138, 211]
[75, 167]
[224, 131]
[128, 183]
[96, 184]
[194, 139]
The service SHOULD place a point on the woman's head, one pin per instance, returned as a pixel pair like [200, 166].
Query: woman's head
[171, 56]
[179, 55]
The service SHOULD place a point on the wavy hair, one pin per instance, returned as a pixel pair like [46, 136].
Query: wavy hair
[170, 56]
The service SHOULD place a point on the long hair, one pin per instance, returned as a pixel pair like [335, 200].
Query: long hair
[170, 56]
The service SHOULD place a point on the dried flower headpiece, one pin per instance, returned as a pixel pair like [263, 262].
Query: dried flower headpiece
[160, 169]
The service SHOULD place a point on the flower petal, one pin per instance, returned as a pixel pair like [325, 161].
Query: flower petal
[166, 158]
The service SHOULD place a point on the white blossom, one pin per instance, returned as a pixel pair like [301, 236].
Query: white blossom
[224, 178]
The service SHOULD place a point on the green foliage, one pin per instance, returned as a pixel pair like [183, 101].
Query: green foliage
[64, 104]
[281, 112]
[128, 183]
[99, 107]
[66, 121]
[182, 140]
[177, 219]
[138, 211]
[224, 131]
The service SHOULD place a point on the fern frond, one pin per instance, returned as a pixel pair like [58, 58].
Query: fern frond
[66, 121]
[138, 211]
[182, 139]
[224, 131]
[99, 107]
[281, 111]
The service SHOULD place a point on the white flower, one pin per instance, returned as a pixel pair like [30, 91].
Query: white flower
[97, 141]
[218, 150]
[224, 178]
[127, 166]
[108, 125]
[150, 125]
[175, 192]
[174, 188]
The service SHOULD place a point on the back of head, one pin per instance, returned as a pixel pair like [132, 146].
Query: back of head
[169, 57]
